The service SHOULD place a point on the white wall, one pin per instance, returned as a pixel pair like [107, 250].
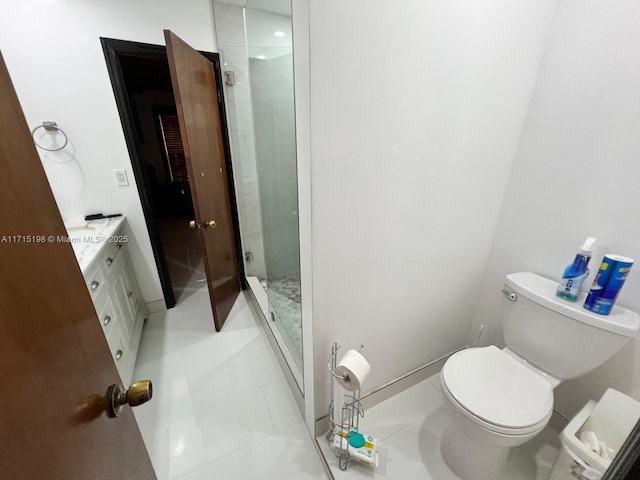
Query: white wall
[576, 173]
[416, 109]
[54, 56]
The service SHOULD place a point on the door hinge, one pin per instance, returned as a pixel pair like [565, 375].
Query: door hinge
[219, 96]
[230, 78]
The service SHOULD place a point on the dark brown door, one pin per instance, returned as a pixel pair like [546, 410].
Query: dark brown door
[55, 366]
[196, 94]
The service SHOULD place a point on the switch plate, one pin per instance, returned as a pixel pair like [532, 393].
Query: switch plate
[121, 177]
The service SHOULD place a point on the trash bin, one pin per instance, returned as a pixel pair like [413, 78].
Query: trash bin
[611, 419]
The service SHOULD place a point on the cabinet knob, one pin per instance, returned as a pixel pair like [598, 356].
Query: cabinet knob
[109, 261]
[94, 285]
[107, 320]
[130, 293]
[119, 355]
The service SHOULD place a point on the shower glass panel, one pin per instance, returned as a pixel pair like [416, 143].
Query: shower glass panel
[271, 80]
[255, 44]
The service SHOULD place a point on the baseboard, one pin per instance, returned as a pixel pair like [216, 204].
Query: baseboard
[156, 306]
[392, 388]
[558, 421]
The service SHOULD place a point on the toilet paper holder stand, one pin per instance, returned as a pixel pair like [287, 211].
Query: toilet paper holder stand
[350, 414]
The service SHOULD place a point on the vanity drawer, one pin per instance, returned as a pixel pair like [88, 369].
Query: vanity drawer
[95, 279]
[119, 352]
[109, 319]
[110, 256]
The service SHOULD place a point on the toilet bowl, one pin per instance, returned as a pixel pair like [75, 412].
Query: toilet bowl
[501, 398]
[495, 403]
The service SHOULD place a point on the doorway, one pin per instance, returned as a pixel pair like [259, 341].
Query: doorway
[142, 87]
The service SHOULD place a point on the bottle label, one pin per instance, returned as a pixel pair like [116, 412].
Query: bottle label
[569, 288]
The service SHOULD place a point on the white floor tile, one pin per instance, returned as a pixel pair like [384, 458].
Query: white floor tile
[158, 340]
[157, 443]
[233, 467]
[287, 455]
[212, 351]
[181, 448]
[241, 420]
[435, 381]
[216, 395]
[282, 406]
[171, 401]
[413, 422]
[152, 363]
[400, 410]
[253, 369]
[209, 386]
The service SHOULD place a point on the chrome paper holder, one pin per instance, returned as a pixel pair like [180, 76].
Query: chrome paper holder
[349, 416]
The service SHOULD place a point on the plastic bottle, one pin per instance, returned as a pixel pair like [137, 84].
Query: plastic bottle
[575, 273]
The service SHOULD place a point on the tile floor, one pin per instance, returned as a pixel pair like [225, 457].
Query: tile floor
[223, 410]
[409, 427]
[221, 407]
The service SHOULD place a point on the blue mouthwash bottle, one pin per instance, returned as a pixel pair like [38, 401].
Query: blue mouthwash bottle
[575, 274]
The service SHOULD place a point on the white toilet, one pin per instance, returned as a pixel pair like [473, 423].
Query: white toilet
[498, 399]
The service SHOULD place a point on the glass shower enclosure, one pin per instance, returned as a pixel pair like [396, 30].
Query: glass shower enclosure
[256, 49]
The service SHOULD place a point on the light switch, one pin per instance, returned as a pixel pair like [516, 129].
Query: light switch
[121, 177]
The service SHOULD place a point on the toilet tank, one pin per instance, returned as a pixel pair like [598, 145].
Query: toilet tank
[558, 336]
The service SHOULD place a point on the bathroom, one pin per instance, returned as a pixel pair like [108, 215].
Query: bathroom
[440, 146]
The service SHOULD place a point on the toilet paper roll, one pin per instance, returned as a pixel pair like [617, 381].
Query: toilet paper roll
[355, 368]
[590, 440]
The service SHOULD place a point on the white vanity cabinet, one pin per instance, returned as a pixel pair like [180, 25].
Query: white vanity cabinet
[102, 252]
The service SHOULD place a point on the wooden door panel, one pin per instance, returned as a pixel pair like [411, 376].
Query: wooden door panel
[196, 95]
[55, 366]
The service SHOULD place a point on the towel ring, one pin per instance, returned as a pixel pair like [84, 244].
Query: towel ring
[50, 127]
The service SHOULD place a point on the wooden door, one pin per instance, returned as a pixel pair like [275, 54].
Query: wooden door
[55, 366]
[196, 94]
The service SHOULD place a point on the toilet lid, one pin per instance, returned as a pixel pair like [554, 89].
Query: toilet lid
[497, 388]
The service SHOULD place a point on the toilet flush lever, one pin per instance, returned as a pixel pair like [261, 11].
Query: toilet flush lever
[511, 296]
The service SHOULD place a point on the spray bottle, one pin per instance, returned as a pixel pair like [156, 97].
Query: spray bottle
[576, 273]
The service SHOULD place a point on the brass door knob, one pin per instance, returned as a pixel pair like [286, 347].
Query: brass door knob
[206, 224]
[138, 393]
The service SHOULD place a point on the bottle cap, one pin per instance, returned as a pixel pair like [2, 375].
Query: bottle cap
[587, 246]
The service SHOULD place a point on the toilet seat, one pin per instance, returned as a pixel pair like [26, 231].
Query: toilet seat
[497, 392]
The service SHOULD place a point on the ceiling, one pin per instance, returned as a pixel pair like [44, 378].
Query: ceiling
[279, 7]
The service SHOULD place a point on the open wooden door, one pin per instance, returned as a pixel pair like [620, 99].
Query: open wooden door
[55, 366]
[196, 94]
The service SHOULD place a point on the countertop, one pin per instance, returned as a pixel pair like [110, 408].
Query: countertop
[88, 238]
